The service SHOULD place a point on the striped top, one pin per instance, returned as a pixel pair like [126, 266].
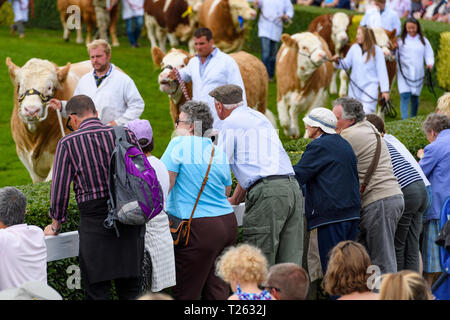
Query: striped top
[403, 170]
[82, 157]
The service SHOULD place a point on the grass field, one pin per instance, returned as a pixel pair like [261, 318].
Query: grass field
[48, 44]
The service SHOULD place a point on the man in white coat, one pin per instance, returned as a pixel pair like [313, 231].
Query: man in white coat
[209, 69]
[381, 16]
[270, 26]
[20, 9]
[133, 14]
[114, 93]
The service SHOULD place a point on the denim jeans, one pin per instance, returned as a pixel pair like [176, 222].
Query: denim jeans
[269, 50]
[404, 104]
[134, 33]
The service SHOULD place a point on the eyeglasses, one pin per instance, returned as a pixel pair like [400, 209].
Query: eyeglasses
[177, 121]
[68, 120]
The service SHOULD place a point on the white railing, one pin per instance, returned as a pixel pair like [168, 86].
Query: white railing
[65, 245]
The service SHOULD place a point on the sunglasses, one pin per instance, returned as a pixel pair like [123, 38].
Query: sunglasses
[177, 121]
[68, 120]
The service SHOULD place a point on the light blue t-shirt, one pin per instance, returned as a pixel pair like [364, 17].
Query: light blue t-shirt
[189, 156]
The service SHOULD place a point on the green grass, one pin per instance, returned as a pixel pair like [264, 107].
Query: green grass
[48, 44]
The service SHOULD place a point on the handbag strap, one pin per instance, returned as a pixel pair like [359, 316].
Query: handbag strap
[203, 184]
[373, 165]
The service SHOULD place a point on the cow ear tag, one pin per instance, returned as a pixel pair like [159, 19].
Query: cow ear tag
[241, 22]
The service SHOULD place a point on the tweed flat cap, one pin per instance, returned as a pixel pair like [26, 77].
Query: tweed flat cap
[227, 94]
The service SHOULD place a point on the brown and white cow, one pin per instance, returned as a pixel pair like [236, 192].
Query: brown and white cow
[227, 19]
[88, 16]
[35, 127]
[253, 71]
[302, 77]
[333, 28]
[172, 19]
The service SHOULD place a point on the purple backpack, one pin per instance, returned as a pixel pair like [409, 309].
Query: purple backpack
[135, 195]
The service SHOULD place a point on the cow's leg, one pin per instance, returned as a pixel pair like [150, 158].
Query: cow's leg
[294, 131]
[79, 35]
[25, 159]
[344, 82]
[333, 84]
[283, 114]
[66, 32]
[191, 46]
[173, 40]
[150, 26]
[161, 35]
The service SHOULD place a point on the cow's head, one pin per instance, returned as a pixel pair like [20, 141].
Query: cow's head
[240, 11]
[339, 30]
[36, 83]
[311, 49]
[175, 58]
[387, 41]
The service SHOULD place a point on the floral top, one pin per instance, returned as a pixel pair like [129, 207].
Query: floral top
[264, 295]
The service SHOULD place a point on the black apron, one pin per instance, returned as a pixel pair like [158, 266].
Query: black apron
[102, 255]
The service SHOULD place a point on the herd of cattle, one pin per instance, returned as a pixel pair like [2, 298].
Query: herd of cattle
[303, 70]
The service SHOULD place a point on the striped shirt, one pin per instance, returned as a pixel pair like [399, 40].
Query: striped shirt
[82, 157]
[403, 170]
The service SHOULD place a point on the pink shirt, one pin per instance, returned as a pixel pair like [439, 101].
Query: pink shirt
[23, 256]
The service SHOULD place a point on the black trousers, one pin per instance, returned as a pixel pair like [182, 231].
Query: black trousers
[127, 289]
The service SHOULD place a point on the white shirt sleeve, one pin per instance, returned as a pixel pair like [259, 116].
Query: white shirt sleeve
[186, 72]
[381, 70]
[134, 103]
[429, 54]
[289, 9]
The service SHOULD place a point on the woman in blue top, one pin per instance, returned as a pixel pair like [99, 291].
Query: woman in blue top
[435, 163]
[214, 225]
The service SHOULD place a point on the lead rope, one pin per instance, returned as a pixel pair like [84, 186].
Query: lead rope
[182, 84]
[61, 126]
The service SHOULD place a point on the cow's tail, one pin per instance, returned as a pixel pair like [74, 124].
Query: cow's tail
[271, 118]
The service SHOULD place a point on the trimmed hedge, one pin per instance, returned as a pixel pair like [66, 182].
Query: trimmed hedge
[443, 64]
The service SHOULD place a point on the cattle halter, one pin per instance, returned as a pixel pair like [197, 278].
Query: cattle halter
[44, 99]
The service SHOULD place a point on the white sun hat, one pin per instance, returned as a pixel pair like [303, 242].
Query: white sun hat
[322, 118]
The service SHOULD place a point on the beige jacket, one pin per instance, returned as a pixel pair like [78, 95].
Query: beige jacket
[383, 183]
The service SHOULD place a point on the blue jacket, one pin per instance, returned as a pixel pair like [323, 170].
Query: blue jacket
[328, 169]
[436, 166]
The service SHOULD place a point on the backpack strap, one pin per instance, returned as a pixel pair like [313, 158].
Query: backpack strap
[199, 194]
[373, 165]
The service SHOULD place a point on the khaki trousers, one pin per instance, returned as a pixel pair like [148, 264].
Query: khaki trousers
[273, 219]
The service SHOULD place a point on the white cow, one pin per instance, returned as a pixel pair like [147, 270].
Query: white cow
[302, 77]
[35, 127]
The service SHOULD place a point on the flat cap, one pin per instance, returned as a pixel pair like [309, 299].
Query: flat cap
[227, 94]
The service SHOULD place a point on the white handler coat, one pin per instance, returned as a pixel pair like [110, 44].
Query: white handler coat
[369, 76]
[270, 24]
[132, 8]
[117, 97]
[20, 8]
[412, 56]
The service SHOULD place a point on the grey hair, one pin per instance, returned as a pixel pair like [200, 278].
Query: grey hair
[12, 206]
[351, 108]
[198, 112]
[436, 122]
